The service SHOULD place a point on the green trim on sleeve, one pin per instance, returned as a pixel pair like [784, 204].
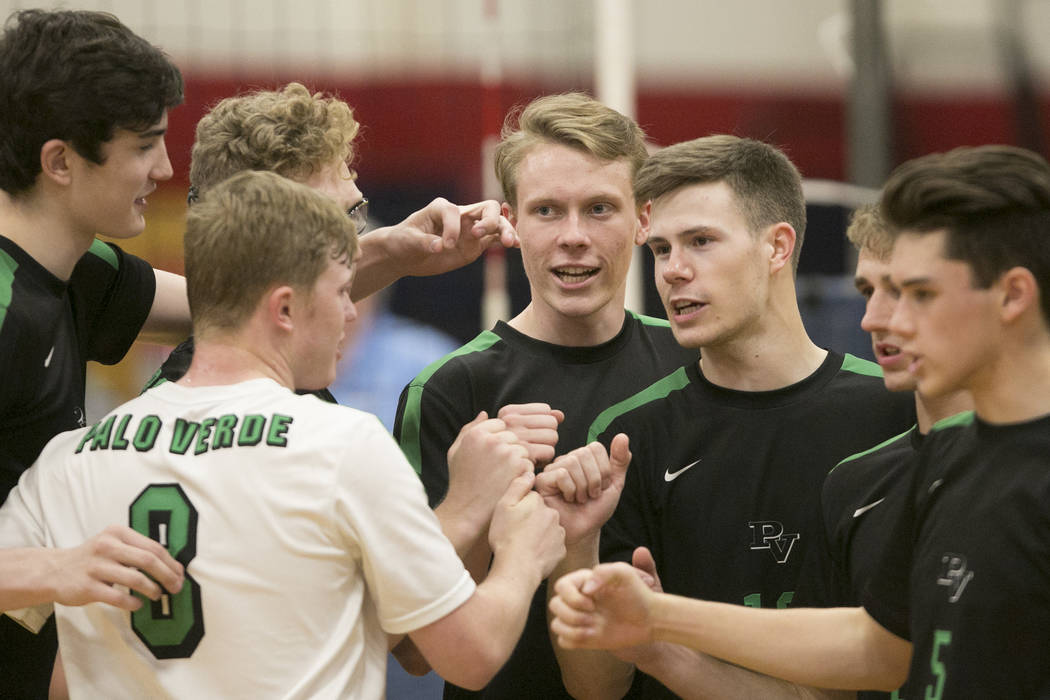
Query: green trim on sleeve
[958, 420]
[411, 419]
[8, 265]
[857, 365]
[650, 320]
[155, 380]
[103, 251]
[884, 443]
[655, 391]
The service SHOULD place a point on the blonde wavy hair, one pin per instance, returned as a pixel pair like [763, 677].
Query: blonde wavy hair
[290, 132]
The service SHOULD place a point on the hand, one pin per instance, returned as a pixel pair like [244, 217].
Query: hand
[645, 568]
[118, 556]
[536, 425]
[607, 607]
[524, 529]
[482, 462]
[443, 236]
[584, 486]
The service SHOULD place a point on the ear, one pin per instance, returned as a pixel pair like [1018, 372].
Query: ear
[507, 212]
[781, 238]
[280, 307]
[1020, 292]
[644, 223]
[55, 156]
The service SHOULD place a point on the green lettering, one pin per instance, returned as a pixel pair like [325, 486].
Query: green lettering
[203, 435]
[182, 436]
[146, 435]
[224, 432]
[251, 430]
[278, 427]
[101, 439]
[88, 436]
[119, 443]
[941, 639]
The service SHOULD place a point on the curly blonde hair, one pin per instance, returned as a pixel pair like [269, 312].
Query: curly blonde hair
[290, 132]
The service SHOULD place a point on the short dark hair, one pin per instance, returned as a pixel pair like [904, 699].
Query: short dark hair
[766, 184]
[993, 202]
[76, 76]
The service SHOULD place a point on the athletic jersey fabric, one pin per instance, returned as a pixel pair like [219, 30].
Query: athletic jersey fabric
[861, 500]
[967, 574]
[724, 485]
[504, 366]
[49, 329]
[305, 535]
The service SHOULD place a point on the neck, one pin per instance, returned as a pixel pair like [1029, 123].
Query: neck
[1015, 387]
[774, 352]
[930, 410]
[43, 233]
[536, 321]
[223, 359]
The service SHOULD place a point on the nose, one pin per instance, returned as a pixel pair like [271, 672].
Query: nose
[877, 313]
[351, 311]
[901, 322]
[674, 268]
[162, 169]
[572, 233]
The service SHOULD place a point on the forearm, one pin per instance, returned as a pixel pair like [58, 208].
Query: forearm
[26, 577]
[587, 673]
[842, 647]
[463, 531]
[376, 269]
[472, 643]
[695, 676]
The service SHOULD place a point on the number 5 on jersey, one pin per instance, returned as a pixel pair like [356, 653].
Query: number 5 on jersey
[172, 627]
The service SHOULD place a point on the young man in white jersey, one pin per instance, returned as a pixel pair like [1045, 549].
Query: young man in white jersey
[305, 536]
[958, 605]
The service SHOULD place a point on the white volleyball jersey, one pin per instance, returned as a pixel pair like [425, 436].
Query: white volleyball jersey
[304, 532]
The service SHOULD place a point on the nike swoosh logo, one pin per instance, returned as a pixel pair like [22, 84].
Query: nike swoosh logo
[864, 509]
[670, 476]
[47, 362]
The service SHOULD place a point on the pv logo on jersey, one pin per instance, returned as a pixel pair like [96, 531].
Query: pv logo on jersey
[769, 534]
[954, 574]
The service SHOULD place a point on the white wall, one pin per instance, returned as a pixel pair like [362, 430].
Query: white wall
[936, 44]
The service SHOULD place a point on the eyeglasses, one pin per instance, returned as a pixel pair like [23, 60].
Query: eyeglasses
[359, 215]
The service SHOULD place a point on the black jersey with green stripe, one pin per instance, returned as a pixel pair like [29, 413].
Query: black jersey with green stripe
[860, 503]
[724, 486]
[967, 574]
[504, 366]
[49, 329]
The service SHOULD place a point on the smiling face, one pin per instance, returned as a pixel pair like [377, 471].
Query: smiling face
[711, 271]
[110, 199]
[321, 329]
[949, 327]
[881, 295]
[577, 223]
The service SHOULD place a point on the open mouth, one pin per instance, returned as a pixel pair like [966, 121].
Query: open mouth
[575, 275]
[682, 308]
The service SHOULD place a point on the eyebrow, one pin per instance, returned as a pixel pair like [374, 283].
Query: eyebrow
[684, 233]
[913, 282]
[152, 133]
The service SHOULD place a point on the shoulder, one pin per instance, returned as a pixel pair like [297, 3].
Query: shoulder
[479, 352]
[641, 401]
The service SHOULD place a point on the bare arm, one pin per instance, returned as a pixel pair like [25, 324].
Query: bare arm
[584, 486]
[168, 322]
[438, 238]
[609, 607]
[469, 645]
[88, 573]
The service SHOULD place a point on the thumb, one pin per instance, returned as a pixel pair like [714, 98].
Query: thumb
[519, 487]
[601, 576]
[478, 419]
[619, 453]
[643, 559]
